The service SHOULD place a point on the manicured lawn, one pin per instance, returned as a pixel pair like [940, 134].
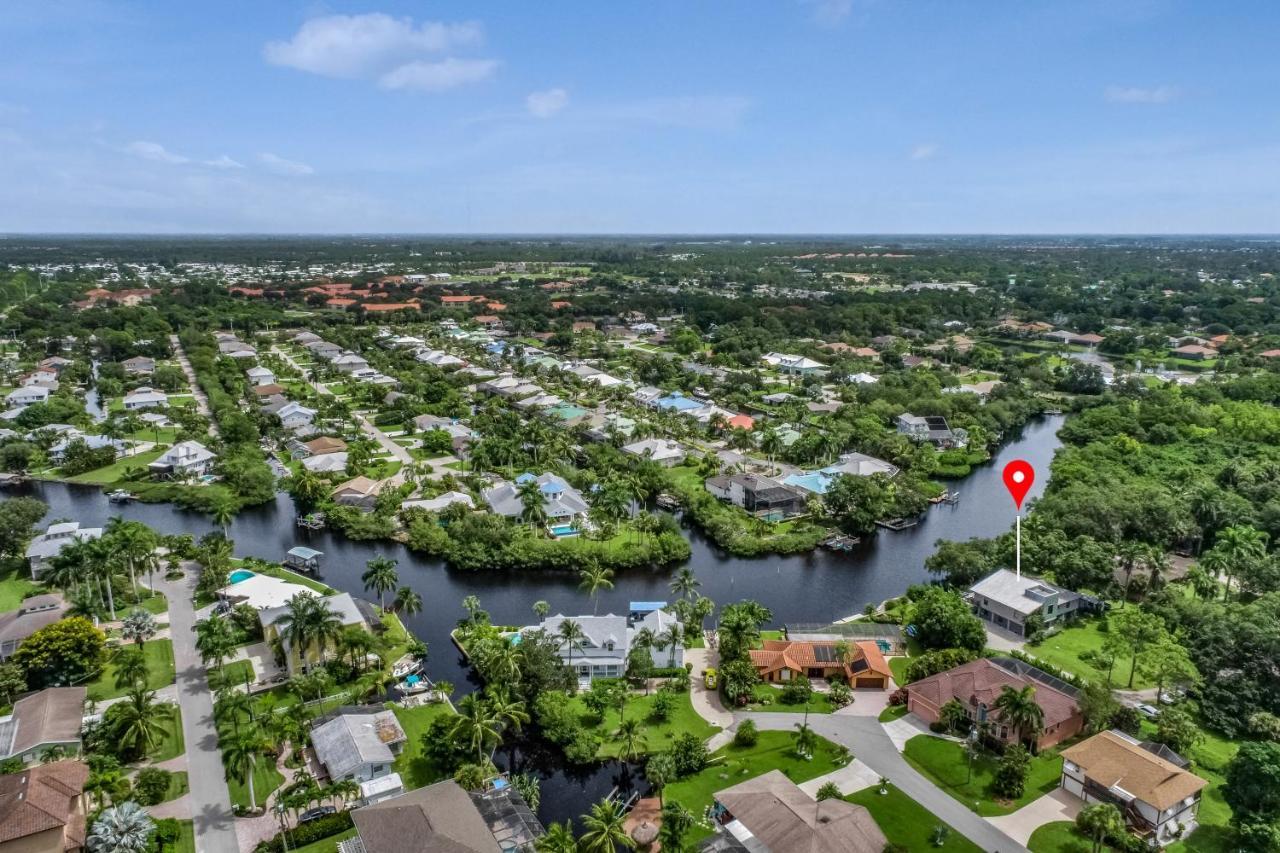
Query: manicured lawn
[171, 743]
[293, 577]
[160, 671]
[1209, 760]
[1060, 837]
[265, 780]
[769, 698]
[112, 473]
[1064, 649]
[945, 764]
[733, 764]
[898, 666]
[326, 845]
[186, 842]
[178, 785]
[15, 585]
[234, 673]
[906, 823]
[893, 712]
[657, 735]
[415, 768]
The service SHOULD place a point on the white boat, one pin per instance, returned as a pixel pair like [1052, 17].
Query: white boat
[407, 665]
[120, 496]
[414, 684]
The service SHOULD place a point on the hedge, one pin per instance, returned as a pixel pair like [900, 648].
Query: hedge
[309, 832]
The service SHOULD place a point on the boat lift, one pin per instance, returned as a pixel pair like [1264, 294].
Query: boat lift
[303, 559]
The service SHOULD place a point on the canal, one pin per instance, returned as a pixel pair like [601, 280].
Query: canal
[814, 587]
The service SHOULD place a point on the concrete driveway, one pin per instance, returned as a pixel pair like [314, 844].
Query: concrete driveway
[866, 703]
[1055, 806]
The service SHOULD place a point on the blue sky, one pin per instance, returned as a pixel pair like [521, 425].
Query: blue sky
[780, 116]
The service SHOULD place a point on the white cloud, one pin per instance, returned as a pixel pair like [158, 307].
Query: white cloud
[155, 151]
[281, 166]
[423, 76]
[701, 112]
[830, 12]
[366, 45]
[547, 103]
[1140, 95]
[924, 151]
[224, 162]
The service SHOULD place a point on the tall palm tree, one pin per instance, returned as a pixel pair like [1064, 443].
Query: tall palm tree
[671, 638]
[141, 720]
[676, 823]
[214, 641]
[233, 705]
[408, 601]
[134, 542]
[605, 829]
[381, 577]
[804, 739]
[326, 626]
[558, 839]
[631, 739]
[533, 502]
[240, 756]
[541, 609]
[571, 636]
[509, 712]
[1019, 710]
[477, 726]
[684, 584]
[595, 577]
[224, 512]
[125, 828]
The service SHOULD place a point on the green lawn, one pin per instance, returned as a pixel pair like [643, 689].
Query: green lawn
[893, 712]
[1060, 837]
[415, 768]
[111, 473]
[906, 823]
[657, 735]
[1209, 760]
[898, 666]
[819, 703]
[160, 671]
[186, 842]
[171, 743]
[733, 764]
[945, 764]
[15, 585]
[1064, 649]
[326, 845]
[234, 673]
[265, 780]
[293, 577]
[178, 785]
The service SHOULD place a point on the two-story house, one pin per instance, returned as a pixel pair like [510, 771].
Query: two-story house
[933, 429]
[1007, 601]
[607, 641]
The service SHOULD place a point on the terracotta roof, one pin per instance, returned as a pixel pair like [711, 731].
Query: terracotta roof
[742, 422]
[784, 819]
[799, 655]
[43, 798]
[456, 300]
[268, 390]
[496, 306]
[340, 302]
[1113, 760]
[393, 306]
[981, 682]
[325, 444]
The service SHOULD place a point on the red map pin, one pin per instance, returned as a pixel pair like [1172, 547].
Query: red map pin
[1018, 477]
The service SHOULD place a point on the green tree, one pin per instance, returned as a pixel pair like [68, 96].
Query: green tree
[660, 771]
[1252, 788]
[594, 578]
[943, 620]
[477, 726]
[380, 576]
[630, 739]
[240, 754]
[125, 828]
[63, 653]
[138, 626]
[18, 517]
[676, 823]
[1011, 774]
[558, 839]
[139, 721]
[1178, 729]
[1140, 630]
[1019, 710]
[605, 831]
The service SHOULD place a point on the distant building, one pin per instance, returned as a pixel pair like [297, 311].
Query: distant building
[933, 429]
[48, 545]
[145, 398]
[34, 613]
[561, 502]
[349, 613]
[609, 640]
[663, 451]
[260, 376]
[797, 365]
[139, 365]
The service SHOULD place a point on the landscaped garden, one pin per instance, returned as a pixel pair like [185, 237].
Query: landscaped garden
[770, 698]
[158, 655]
[946, 764]
[1069, 648]
[658, 733]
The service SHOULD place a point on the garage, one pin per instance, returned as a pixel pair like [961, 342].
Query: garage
[869, 681]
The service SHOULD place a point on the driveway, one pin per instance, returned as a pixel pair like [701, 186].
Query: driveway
[202, 402]
[869, 743]
[866, 703]
[706, 702]
[1055, 806]
[1004, 641]
[214, 825]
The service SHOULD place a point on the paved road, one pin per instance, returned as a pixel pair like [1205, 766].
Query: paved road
[866, 739]
[202, 402]
[214, 824]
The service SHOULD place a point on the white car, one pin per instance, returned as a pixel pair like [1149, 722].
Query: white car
[1148, 711]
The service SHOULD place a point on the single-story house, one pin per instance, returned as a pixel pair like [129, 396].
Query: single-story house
[52, 717]
[145, 398]
[58, 452]
[326, 463]
[315, 447]
[42, 809]
[663, 451]
[349, 362]
[794, 364]
[27, 395]
[561, 502]
[359, 492]
[976, 686]
[262, 392]
[360, 744]
[139, 365]
[260, 376]
[1158, 797]
[850, 465]
[48, 545]
[1195, 352]
[35, 612]
[771, 814]
[440, 502]
[780, 661]
[931, 428]
[185, 459]
[444, 817]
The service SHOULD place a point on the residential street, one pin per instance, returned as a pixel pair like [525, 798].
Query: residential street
[214, 824]
[202, 402]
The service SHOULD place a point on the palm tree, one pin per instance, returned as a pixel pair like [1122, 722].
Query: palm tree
[134, 542]
[558, 839]
[141, 721]
[131, 668]
[660, 771]
[676, 823]
[139, 626]
[671, 638]
[408, 601]
[224, 512]
[571, 636]
[605, 829]
[684, 584]
[125, 828]
[509, 712]
[541, 609]
[804, 739]
[1100, 821]
[1019, 710]
[214, 641]
[477, 725]
[631, 740]
[502, 663]
[595, 577]
[240, 755]
[532, 500]
[232, 705]
[381, 577]
[357, 644]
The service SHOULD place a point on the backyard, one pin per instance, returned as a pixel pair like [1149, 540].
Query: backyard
[1066, 648]
[658, 735]
[413, 766]
[945, 764]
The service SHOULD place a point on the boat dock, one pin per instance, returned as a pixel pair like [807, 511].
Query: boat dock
[946, 498]
[840, 542]
[314, 521]
[897, 523]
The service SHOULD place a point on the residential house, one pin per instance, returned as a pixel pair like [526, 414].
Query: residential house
[139, 365]
[42, 809]
[40, 379]
[561, 502]
[58, 452]
[1008, 601]
[51, 718]
[56, 363]
[359, 492]
[349, 611]
[933, 429]
[262, 392]
[780, 661]
[440, 502]
[48, 545]
[797, 365]
[679, 403]
[326, 463]
[444, 817]
[850, 464]
[771, 814]
[609, 639]
[976, 686]
[758, 495]
[1150, 785]
[1195, 352]
[663, 451]
[27, 395]
[294, 416]
[315, 447]
[360, 745]
[145, 398]
[185, 460]
[981, 390]
[35, 612]
[349, 362]
[460, 436]
[260, 376]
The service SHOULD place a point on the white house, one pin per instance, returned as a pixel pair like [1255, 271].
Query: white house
[439, 503]
[1008, 600]
[609, 639]
[360, 745]
[145, 398]
[797, 364]
[663, 451]
[185, 459]
[295, 415]
[326, 463]
[260, 376]
[561, 503]
[349, 362]
[49, 544]
[28, 395]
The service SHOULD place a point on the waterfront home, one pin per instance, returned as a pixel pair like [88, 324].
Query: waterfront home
[1008, 601]
[349, 611]
[40, 379]
[145, 398]
[42, 809]
[260, 376]
[561, 503]
[295, 416]
[647, 395]
[981, 390]
[58, 452]
[56, 363]
[771, 814]
[933, 429]
[185, 460]
[445, 817]
[797, 365]
[27, 395]
[36, 612]
[609, 640]
[139, 365]
[440, 502]
[762, 496]
[663, 451]
[48, 545]
[849, 465]
[1147, 782]
[360, 745]
[326, 463]
[39, 721]
[360, 492]
[781, 661]
[315, 447]
[976, 686]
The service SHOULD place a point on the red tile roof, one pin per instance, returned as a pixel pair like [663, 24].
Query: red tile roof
[393, 306]
[982, 681]
[799, 655]
[742, 422]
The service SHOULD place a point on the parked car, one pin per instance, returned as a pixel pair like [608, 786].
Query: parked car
[315, 814]
[709, 678]
[1148, 711]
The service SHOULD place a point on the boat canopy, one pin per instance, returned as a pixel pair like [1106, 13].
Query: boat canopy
[304, 553]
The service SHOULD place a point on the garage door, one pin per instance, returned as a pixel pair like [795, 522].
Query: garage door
[1073, 786]
[869, 682]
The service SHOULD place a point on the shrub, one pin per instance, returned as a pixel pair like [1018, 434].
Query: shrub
[934, 662]
[746, 735]
[796, 693]
[898, 697]
[689, 753]
[664, 704]
[828, 791]
[150, 785]
[1011, 776]
[840, 694]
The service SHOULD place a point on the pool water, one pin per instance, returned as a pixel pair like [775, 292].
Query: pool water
[240, 575]
[563, 530]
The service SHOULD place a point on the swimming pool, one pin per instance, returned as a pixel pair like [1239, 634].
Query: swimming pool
[240, 575]
[563, 530]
